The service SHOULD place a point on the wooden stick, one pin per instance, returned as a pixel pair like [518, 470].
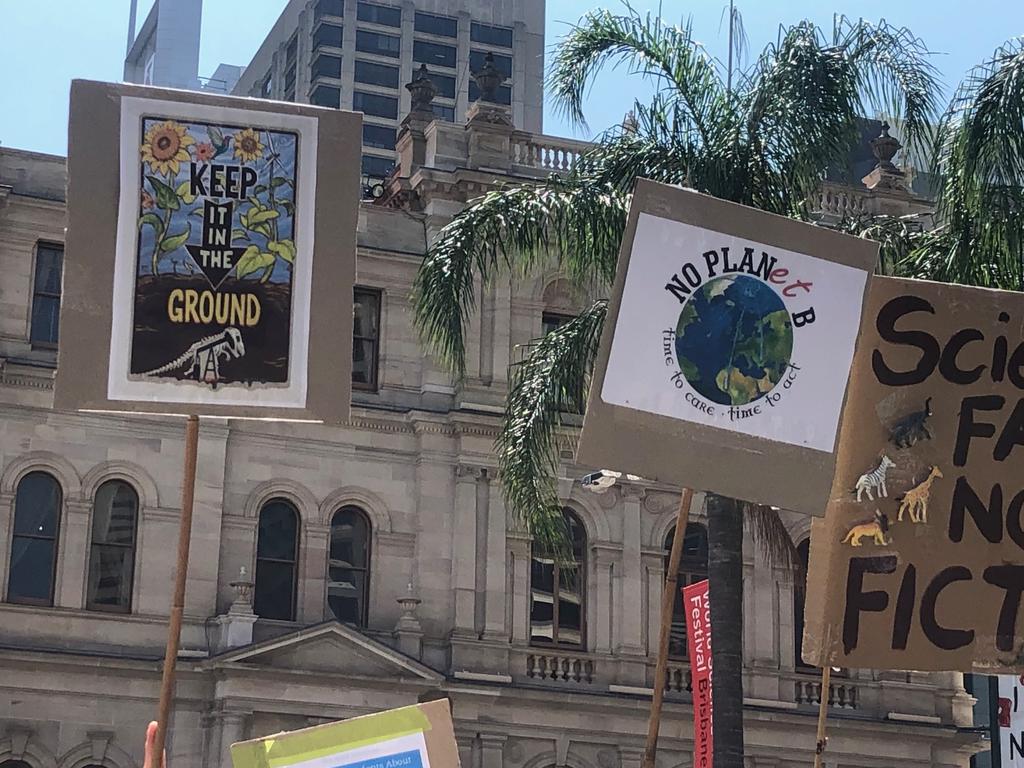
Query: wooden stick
[667, 599]
[188, 488]
[822, 740]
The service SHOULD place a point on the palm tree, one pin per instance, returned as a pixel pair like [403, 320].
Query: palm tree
[765, 142]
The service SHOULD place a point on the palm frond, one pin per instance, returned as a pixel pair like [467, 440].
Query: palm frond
[899, 238]
[667, 54]
[771, 535]
[547, 383]
[570, 223]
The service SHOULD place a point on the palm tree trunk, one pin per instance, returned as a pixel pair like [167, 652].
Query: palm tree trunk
[725, 574]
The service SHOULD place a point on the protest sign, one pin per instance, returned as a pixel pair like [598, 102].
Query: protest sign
[210, 255]
[725, 357]
[698, 640]
[1011, 721]
[919, 562]
[419, 736]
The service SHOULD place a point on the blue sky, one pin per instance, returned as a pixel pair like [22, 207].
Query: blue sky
[48, 44]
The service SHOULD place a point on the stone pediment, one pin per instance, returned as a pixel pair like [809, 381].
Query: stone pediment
[329, 648]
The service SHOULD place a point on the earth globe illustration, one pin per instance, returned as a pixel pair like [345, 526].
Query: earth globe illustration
[734, 340]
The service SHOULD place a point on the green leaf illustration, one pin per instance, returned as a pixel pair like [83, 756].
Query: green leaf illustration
[150, 218]
[283, 248]
[174, 242]
[239, 234]
[259, 189]
[277, 181]
[263, 228]
[256, 203]
[289, 206]
[166, 197]
[260, 216]
[196, 212]
[184, 191]
[253, 260]
[216, 136]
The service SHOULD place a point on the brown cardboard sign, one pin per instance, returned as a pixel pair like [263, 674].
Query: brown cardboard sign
[919, 561]
[725, 357]
[210, 255]
[419, 736]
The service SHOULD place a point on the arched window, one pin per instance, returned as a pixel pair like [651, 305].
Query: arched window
[115, 516]
[348, 569]
[14, 764]
[32, 569]
[693, 567]
[558, 589]
[803, 550]
[277, 550]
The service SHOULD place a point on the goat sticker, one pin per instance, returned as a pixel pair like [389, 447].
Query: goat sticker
[215, 252]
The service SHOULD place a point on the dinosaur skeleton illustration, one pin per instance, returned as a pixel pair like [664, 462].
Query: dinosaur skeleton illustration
[203, 358]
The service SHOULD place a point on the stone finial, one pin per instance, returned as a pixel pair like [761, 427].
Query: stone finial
[884, 147]
[408, 630]
[629, 123]
[488, 79]
[243, 592]
[422, 90]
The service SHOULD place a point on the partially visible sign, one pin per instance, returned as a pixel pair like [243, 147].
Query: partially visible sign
[919, 562]
[726, 353]
[199, 277]
[698, 640]
[1011, 721]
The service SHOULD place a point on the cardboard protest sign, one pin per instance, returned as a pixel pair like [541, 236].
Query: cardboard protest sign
[210, 255]
[726, 352]
[696, 599]
[420, 736]
[919, 562]
[1011, 721]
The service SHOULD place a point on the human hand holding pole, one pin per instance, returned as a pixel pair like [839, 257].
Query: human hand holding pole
[151, 760]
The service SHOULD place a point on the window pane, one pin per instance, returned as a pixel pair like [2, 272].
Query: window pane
[445, 84]
[502, 63]
[49, 261]
[110, 576]
[693, 567]
[375, 104]
[45, 319]
[432, 24]
[570, 606]
[444, 113]
[31, 571]
[275, 590]
[380, 44]
[501, 96]
[330, 8]
[433, 53]
[346, 589]
[349, 540]
[291, 50]
[278, 531]
[379, 14]
[37, 506]
[365, 313]
[114, 514]
[485, 33]
[327, 34]
[379, 136]
[325, 96]
[364, 362]
[376, 74]
[377, 167]
[325, 65]
[542, 590]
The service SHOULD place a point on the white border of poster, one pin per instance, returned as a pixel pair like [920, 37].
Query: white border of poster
[119, 385]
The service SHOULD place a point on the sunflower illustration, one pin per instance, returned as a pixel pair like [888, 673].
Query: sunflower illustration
[248, 146]
[165, 147]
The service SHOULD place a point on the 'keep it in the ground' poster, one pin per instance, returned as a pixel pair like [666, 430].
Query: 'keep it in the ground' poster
[214, 244]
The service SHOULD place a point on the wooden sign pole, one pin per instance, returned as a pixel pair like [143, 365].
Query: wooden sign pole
[188, 488]
[667, 599]
[822, 740]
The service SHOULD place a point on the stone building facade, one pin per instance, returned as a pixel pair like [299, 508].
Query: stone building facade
[338, 571]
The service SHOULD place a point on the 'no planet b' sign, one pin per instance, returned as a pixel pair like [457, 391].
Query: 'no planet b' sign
[725, 360]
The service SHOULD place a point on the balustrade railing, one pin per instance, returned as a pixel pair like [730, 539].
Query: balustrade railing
[567, 668]
[842, 694]
[546, 153]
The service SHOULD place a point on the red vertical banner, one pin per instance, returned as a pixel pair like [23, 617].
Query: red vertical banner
[698, 640]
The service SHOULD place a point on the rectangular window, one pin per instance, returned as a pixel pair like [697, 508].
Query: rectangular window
[46, 295]
[443, 112]
[291, 51]
[377, 43]
[502, 63]
[433, 54]
[267, 87]
[378, 136]
[327, 35]
[502, 96]
[445, 85]
[375, 104]
[326, 96]
[431, 24]
[376, 167]
[365, 335]
[376, 74]
[329, 8]
[379, 14]
[289, 84]
[325, 65]
[485, 33]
